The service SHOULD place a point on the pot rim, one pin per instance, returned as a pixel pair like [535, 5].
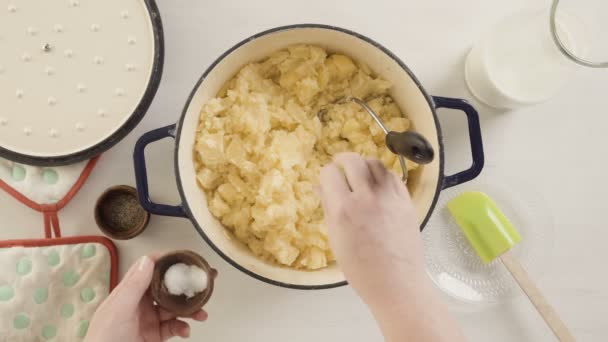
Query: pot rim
[178, 132]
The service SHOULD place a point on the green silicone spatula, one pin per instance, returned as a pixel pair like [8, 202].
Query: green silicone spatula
[492, 236]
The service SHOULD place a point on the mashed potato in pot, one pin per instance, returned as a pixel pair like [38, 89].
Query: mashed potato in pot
[262, 141]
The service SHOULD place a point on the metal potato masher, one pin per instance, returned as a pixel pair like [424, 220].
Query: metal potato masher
[406, 145]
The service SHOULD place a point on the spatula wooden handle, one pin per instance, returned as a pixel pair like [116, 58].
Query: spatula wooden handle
[536, 297]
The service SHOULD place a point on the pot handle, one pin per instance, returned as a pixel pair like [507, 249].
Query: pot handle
[141, 174]
[474, 136]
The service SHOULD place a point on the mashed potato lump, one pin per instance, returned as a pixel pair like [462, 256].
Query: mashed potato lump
[262, 141]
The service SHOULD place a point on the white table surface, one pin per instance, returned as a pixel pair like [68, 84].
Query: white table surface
[558, 145]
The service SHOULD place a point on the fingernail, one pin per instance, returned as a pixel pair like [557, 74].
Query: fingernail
[202, 315]
[187, 332]
[144, 262]
[317, 190]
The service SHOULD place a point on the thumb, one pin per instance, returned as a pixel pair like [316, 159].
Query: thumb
[135, 284]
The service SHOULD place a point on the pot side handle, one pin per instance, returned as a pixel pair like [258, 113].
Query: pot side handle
[474, 136]
[141, 174]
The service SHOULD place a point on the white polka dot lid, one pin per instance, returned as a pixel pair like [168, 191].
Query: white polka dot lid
[75, 76]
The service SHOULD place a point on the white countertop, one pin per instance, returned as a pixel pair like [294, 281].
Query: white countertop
[556, 145]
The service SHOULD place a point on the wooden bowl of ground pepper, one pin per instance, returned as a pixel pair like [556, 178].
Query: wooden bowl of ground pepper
[118, 213]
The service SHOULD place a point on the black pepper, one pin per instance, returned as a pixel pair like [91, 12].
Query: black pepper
[122, 212]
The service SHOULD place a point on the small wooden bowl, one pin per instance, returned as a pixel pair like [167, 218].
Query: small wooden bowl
[180, 305]
[119, 215]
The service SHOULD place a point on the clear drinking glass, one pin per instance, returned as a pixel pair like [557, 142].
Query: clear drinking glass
[530, 55]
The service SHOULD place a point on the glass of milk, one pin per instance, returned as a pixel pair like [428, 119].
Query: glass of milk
[530, 55]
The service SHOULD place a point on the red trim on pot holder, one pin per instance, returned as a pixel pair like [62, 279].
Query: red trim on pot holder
[49, 211]
[52, 229]
[107, 243]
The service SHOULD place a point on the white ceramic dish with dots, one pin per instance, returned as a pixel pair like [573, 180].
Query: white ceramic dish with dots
[454, 266]
[76, 76]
